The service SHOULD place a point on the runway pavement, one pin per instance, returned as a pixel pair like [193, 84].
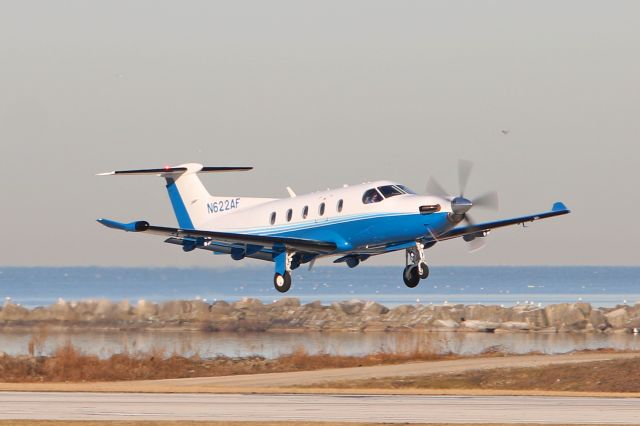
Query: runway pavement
[369, 408]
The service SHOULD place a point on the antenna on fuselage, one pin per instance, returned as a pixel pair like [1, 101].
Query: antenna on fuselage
[291, 193]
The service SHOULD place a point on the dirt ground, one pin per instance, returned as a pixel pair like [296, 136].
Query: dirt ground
[620, 376]
[390, 379]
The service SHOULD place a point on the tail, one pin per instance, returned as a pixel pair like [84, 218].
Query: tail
[192, 203]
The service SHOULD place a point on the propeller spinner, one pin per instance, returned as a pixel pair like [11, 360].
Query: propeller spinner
[460, 205]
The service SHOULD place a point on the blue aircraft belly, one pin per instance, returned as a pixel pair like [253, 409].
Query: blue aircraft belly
[372, 230]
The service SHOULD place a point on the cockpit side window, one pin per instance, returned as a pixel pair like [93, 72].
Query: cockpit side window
[389, 191]
[371, 196]
[406, 190]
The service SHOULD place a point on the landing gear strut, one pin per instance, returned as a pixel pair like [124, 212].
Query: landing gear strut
[282, 277]
[416, 268]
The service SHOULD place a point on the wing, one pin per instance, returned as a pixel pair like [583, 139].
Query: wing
[258, 242]
[480, 229]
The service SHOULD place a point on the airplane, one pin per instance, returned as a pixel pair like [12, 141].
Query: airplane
[353, 222]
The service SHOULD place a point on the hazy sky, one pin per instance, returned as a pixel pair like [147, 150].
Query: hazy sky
[314, 95]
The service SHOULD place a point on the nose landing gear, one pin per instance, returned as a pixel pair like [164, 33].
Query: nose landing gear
[416, 268]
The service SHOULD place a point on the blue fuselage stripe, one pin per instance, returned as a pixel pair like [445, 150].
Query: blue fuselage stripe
[386, 229]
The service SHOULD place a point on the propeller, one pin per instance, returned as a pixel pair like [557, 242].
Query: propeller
[460, 205]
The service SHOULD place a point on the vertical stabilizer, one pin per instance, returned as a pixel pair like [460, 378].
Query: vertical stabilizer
[188, 196]
[191, 202]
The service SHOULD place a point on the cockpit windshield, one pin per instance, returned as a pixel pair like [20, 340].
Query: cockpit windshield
[390, 191]
[406, 190]
[372, 196]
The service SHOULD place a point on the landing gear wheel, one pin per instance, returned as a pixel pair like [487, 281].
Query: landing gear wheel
[410, 276]
[282, 283]
[425, 271]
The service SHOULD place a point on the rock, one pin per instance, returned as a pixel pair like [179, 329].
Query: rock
[13, 312]
[350, 307]
[618, 318]
[445, 324]
[316, 304]
[485, 313]
[85, 310]
[61, 311]
[633, 324]
[598, 320]
[247, 303]
[515, 325]
[403, 309]
[567, 316]
[374, 308]
[448, 312]
[535, 317]
[289, 302]
[146, 310]
[478, 325]
[172, 310]
[103, 309]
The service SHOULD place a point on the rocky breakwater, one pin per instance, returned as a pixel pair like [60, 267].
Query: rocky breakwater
[288, 314]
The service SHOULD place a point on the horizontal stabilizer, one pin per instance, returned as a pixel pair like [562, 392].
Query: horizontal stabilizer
[138, 226]
[164, 171]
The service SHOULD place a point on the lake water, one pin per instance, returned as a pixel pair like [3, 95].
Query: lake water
[601, 286]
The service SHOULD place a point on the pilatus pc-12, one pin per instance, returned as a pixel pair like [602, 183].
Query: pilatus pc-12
[352, 222]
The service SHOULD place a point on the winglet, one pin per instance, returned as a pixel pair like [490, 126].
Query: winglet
[138, 226]
[559, 207]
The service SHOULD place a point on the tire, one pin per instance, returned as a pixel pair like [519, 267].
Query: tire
[425, 271]
[410, 276]
[282, 283]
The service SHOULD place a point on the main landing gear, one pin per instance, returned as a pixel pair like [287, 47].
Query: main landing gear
[282, 283]
[416, 268]
[282, 278]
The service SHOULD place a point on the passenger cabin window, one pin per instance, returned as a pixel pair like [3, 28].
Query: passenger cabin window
[321, 209]
[390, 191]
[272, 220]
[371, 196]
[406, 190]
[289, 215]
[339, 206]
[305, 212]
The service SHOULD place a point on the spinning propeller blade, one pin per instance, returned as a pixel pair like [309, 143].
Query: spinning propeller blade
[464, 171]
[488, 200]
[434, 188]
[461, 205]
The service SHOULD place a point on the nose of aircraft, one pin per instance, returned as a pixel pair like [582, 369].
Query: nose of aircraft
[460, 205]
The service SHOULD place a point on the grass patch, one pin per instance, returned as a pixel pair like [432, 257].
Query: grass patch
[69, 364]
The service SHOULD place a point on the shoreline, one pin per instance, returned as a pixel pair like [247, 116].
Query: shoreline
[291, 316]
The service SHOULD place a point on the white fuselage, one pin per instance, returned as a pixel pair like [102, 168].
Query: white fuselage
[345, 217]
